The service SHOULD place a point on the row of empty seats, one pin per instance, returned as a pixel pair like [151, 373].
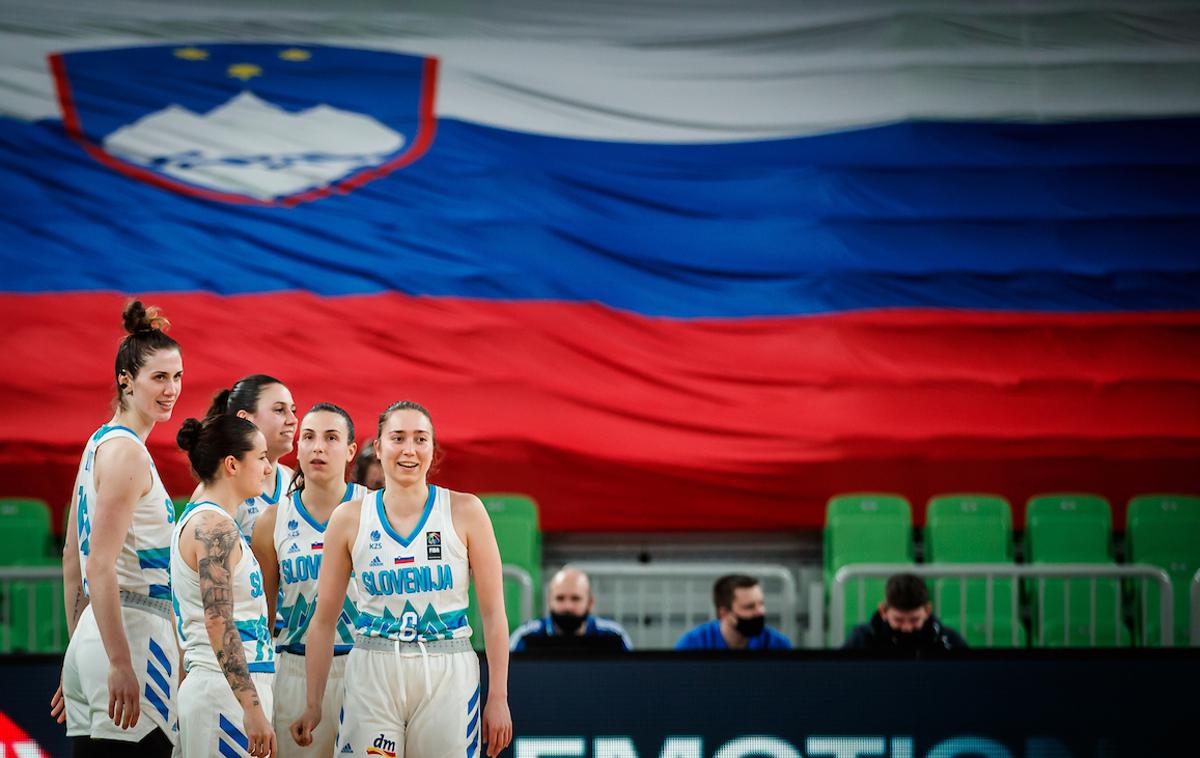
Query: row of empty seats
[1162, 530]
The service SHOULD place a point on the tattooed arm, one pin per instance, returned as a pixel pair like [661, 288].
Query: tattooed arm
[219, 547]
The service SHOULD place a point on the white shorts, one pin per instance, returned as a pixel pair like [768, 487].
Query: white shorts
[211, 718]
[291, 695]
[387, 711]
[155, 657]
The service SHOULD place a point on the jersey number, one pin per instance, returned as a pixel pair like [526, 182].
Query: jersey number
[408, 626]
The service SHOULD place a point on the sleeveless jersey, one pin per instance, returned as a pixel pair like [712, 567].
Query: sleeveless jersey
[249, 605]
[142, 563]
[248, 511]
[299, 544]
[411, 586]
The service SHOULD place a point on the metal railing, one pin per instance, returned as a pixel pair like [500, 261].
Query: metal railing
[521, 577]
[658, 602]
[22, 617]
[991, 571]
[1196, 609]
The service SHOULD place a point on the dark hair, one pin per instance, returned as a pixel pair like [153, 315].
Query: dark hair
[146, 334]
[298, 479]
[411, 405]
[366, 456]
[906, 592]
[724, 587]
[242, 396]
[208, 442]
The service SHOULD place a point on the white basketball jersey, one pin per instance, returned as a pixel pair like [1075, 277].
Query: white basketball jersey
[249, 604]
[248, 512]
[411, 586]
[142, 563]
[299, 544]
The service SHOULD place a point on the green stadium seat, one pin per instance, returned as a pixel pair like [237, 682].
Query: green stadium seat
[519, 536]
[865, 528]
[1164, 530]
[25, 535]
[967, 528]
[180, 503]
[31, 613]
[1073, 528]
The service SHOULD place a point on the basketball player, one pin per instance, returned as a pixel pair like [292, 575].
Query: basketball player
[268, 403]
[289, 544]
[120, 672]
[412, 679]
[221, 612]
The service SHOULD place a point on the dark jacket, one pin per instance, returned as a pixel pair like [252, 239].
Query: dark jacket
[932, 639]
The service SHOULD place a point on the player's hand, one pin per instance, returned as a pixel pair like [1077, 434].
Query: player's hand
[302, 728]
[497, 725]
[260, 734]
[58, 704]
[124, 696]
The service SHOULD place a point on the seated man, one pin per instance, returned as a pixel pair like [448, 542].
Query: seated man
[571, 602]
[905, 623]
[740, 623]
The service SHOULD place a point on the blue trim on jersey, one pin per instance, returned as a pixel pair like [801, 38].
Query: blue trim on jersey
[261, 667]
[318, 525]
[387, 527]
[236, 734]
[160, 591]
[157, 702]
[191, 507]
[154, 558]
[107, 428]
[297, 648]
[349, 490]
[273, 499]
[158, 653]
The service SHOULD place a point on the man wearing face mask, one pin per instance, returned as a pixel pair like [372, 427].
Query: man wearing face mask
[570, 601]
[740, 622]
[905, 625]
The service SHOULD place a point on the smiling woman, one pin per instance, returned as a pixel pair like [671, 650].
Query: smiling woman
[267, 403]
[119, 674]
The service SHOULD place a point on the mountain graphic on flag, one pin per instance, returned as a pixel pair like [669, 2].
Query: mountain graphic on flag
[253, 147]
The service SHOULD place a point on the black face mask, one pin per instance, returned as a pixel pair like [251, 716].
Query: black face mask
[750, 626]
[569, 623]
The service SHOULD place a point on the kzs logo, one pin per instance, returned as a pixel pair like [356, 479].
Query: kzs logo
[376, 538]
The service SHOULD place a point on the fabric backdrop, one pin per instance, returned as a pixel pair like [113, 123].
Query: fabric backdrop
[663, 266]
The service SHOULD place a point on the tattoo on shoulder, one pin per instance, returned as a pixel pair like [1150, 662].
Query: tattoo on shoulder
[217, 543]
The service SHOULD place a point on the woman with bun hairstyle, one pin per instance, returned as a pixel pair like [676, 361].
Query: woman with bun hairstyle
[220, 608]
[266, 402]
[289, 544]
[121, 668]
[412, 679]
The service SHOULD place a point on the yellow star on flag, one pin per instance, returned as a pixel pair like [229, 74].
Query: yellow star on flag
[295, 54]
[191, 53]
[244, 71]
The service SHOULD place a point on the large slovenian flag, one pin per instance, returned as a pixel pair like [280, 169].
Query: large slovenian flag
[685, 266]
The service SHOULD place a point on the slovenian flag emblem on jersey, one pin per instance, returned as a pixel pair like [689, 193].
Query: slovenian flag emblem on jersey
[318, 545]
[403, 559]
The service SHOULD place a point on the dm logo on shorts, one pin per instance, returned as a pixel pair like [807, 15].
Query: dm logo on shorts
[383, 746]
[250, 124]
[433, 546]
